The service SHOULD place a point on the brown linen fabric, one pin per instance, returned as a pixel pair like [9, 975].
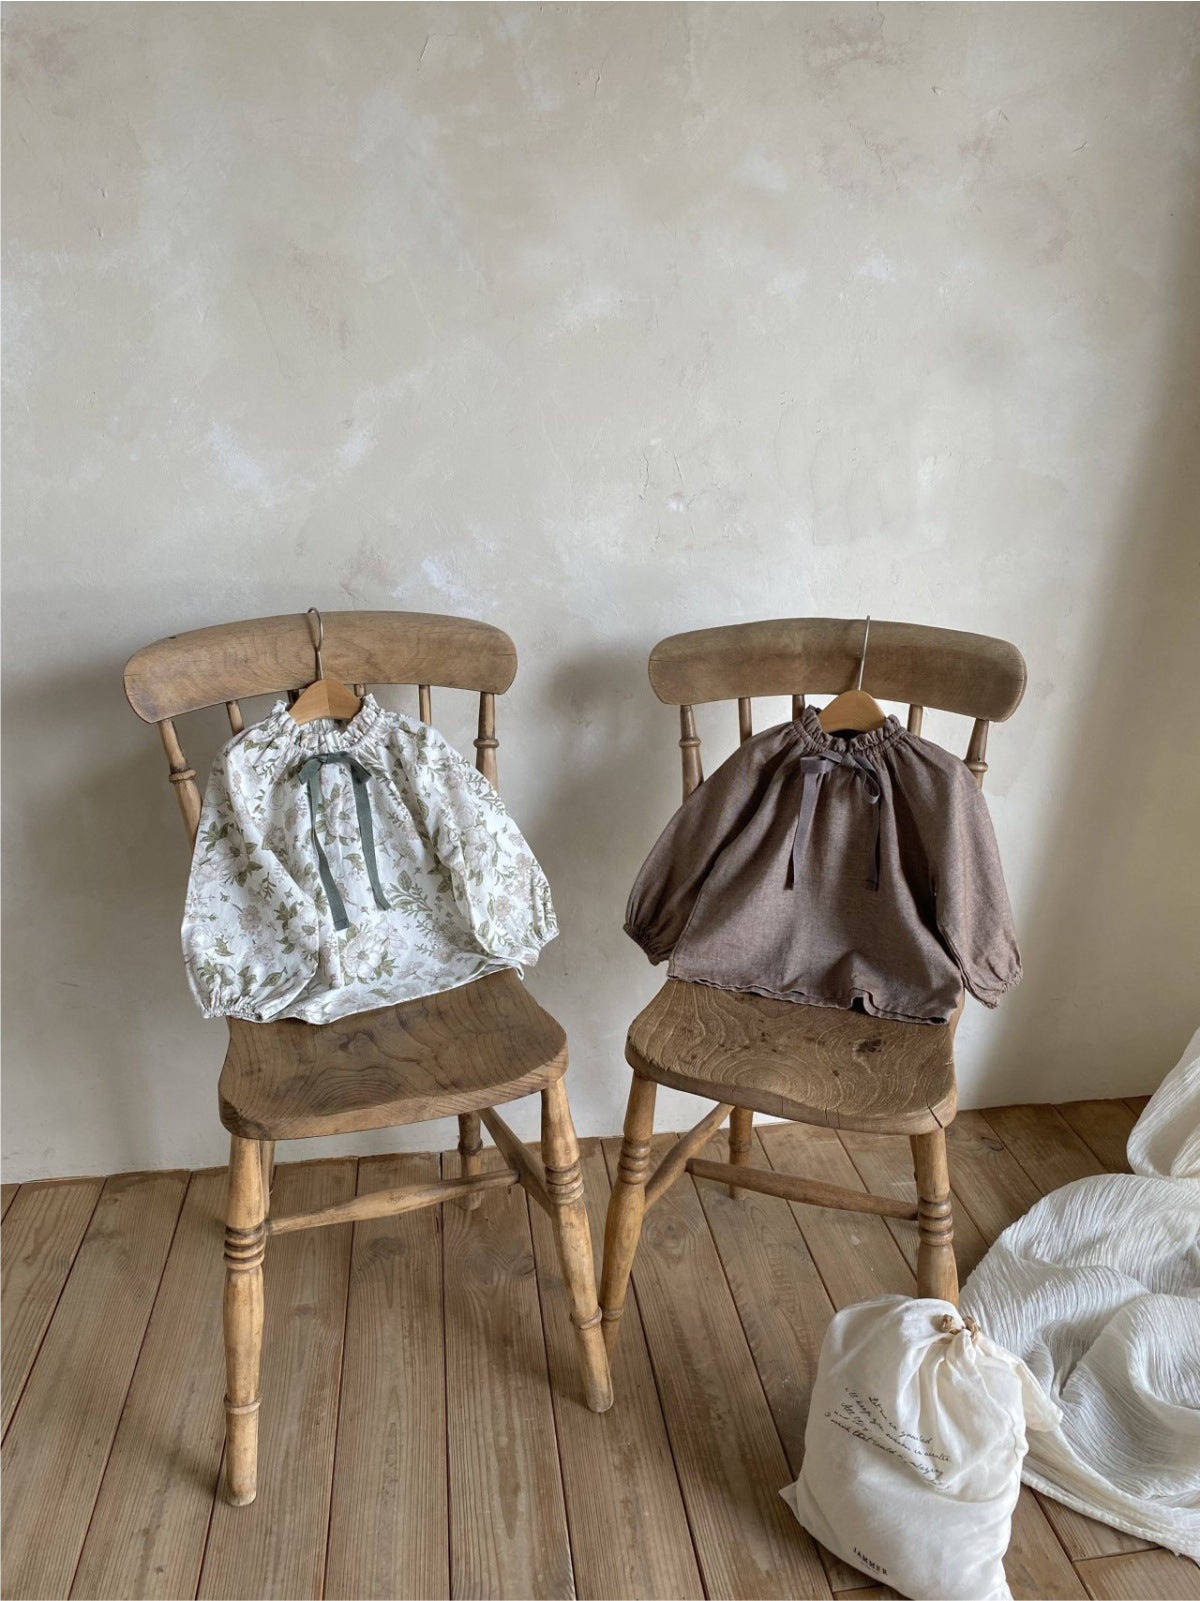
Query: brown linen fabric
[737, 894]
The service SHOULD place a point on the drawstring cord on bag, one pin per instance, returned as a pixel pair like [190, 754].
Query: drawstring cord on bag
[310, 775]
[949, 1325]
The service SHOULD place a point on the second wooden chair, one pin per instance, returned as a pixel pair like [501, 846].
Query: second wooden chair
[809, 1064]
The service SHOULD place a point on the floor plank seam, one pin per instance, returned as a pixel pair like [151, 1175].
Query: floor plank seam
[632, 1289]
[555, 1401]
[792, 1468]
[212, 1509]
[212, 1512]
[341, 1389]
[132, 1371]
[54, 1311]
[441, 1233]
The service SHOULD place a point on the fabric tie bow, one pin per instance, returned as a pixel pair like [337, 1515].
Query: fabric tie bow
[814, 768]
[310, 775]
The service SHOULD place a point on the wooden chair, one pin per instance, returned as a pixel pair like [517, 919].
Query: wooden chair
[466, 1051]
[810, 1064]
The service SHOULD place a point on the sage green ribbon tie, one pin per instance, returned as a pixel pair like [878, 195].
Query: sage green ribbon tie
[814, 769]
[310, 774]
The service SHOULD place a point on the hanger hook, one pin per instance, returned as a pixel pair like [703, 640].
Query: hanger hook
[862, 660]
[314, 612]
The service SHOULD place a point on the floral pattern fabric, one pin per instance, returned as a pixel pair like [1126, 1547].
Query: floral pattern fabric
[464, 893]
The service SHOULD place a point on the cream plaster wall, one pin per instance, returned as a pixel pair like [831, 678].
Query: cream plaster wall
[599, 322]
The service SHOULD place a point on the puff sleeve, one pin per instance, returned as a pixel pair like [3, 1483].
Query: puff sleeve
[249, 929]
[974, 918]
[669, 882]
[498, 886]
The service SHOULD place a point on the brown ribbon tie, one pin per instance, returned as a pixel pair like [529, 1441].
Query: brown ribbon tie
[814, 768]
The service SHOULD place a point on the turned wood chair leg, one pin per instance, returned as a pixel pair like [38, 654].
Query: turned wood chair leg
[470, 1155]
[245, 1243]
[627, 1206]
[564, 1185]
[937, 1273]
[741, 1127]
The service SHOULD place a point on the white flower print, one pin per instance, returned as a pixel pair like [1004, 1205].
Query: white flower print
[464, 895]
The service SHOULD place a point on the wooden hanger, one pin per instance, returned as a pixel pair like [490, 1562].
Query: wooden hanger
[325, 697]
[854, 711]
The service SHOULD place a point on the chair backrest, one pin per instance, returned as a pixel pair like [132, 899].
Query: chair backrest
[275, 655]
[972, 674]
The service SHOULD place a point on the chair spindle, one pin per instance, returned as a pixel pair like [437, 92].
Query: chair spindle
[689, 745]
[486, 743]
[977, 750]
[798, 705]
[745, 718]
[184, 779]
[916, 716]
[425, 699]
[236, 721]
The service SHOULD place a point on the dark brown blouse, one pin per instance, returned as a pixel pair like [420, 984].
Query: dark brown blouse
[833, 872]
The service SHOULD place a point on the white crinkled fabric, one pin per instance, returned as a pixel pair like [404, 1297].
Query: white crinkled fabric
[1097, 1289]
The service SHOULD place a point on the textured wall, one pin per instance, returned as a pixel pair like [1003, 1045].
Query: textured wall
[599, 322]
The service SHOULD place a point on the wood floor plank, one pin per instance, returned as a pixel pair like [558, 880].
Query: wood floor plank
[151, 1520]
[58, 1444]
[858, 1259]
[1104, 1127]
[508, 1524]
[884, 1163]
[777, 1291]
[1137, 1104]
[629, 1529]
[986, 1176]
[8, 1194]
[276, 1546]
[1044, 1144]
[37, 1247]
[999, 1190]
[855, 1254]
[782, 1303]
[388, 1526]
[1154, 1575]
[727, 1451]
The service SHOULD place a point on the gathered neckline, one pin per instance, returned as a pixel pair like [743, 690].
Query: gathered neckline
[808, 726]
[324, 735]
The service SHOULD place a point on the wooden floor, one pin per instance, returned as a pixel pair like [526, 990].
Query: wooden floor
[423, 1427]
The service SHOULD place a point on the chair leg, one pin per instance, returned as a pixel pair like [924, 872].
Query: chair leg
[564, 1185]
[267, 1151]
[741, 1127]
[470, 1155]
[937, 1274]
[245, 1243]
[627, 1206]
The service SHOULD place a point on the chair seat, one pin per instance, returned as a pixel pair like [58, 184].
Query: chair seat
[468, 1048]
[813, 1064]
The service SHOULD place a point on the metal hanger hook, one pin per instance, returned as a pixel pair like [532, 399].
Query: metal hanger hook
[862, 660]
[313, 612]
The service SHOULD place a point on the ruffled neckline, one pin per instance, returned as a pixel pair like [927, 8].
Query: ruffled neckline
[808, 726]
[324, 735]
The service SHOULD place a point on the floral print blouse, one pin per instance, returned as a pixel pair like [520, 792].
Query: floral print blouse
[434, 884]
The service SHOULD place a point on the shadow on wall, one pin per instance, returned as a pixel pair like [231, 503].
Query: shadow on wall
[1117, 909]
[106, 848]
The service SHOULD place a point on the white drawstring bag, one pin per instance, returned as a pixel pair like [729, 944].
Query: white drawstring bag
[913, 1451]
